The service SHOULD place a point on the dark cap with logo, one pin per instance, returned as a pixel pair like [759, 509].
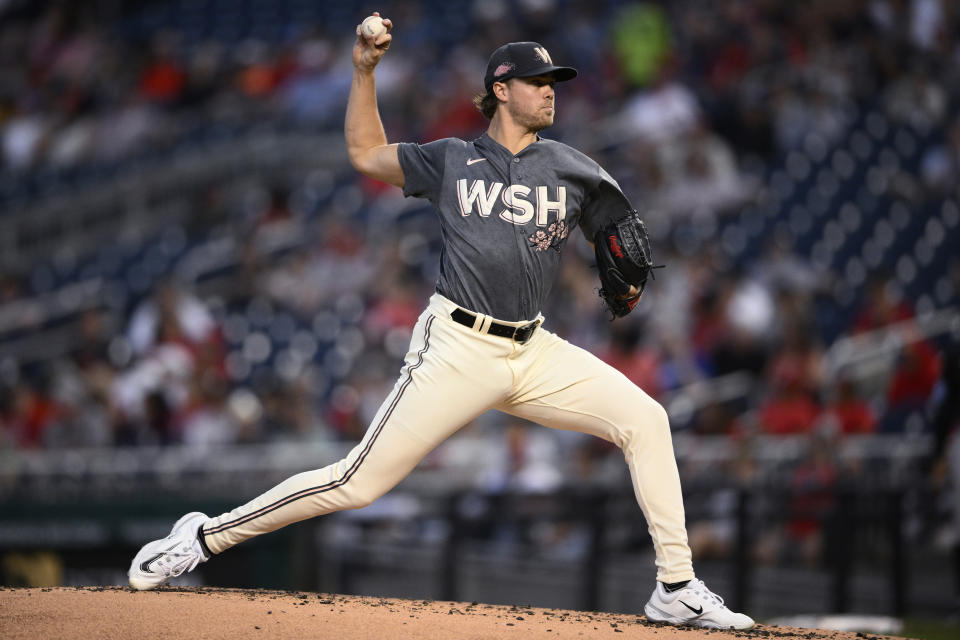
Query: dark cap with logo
[523, 60]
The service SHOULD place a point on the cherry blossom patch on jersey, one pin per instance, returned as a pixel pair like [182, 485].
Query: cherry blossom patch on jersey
[553, 236]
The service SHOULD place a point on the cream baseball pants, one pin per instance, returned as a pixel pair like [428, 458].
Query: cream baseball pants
[452, 374]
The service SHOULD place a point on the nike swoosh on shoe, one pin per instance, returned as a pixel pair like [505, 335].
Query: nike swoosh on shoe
[145, 565]
[696, 611]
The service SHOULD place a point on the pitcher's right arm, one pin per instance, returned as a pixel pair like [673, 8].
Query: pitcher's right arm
[366, 140]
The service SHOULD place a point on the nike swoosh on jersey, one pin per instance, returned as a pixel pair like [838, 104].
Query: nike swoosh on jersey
[696, 611]
[471, 161]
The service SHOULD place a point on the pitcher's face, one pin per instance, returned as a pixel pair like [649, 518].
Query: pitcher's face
[531, 101]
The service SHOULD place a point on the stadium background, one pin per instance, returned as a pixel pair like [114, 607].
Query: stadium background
[200, 297]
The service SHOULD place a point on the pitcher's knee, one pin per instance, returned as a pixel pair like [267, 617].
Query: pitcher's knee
[658, 416]
[360, 493]
[355, 499]
[354, 493]
[648, 421]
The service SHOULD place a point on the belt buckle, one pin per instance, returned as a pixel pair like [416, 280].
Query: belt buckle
[526, 331]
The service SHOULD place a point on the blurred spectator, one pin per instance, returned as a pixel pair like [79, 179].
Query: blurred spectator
[703, 175]
[317, 90]
[781, 270]
[642, 42]
[172, 314]
[664, 112]
[882, 306]
[456, 115]
[797, 358]
[157, 418]
[176, 345]
[264, 72]
[746, 328]
[205, 70]
[917, 99]
[849, 410]
[640, 363]
[814, 489]
[276, 209]
[397, 308]
[750, 307]
[525, 460]
[142, 396]
[24, 134]
[202, 420]
[790, 409]
[163, 79]
[708, 327]
[915, 375]
[92, 341]
[30, 411]
[715, 419]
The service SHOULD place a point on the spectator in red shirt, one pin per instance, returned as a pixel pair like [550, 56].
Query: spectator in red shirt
[881, 308]
[163, 79]
[625, 354]
[30, 412]
[914, 378]
[850, 411]
[790, 409]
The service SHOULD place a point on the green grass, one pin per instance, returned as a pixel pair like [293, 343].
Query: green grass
[925, 629]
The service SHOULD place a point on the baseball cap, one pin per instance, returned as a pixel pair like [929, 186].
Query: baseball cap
[523, 60]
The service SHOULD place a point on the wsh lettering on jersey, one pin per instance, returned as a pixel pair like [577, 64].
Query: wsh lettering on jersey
[518, 206]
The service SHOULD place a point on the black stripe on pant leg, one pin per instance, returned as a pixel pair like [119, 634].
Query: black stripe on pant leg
[353, 468]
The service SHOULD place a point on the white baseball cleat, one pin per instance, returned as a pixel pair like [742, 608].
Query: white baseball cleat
[693, 605]
[160, 560]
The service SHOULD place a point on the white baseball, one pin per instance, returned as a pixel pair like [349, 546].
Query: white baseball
[372, 26]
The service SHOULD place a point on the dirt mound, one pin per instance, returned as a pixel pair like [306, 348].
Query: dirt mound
[114, 612]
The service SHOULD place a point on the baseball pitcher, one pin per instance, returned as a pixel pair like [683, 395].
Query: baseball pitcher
[506, 204]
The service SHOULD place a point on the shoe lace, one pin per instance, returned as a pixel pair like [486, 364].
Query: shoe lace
[699, 587]
[173, 561]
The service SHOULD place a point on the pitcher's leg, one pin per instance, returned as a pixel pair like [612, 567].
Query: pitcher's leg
[430, 401]
[373, 467]
[570, 388]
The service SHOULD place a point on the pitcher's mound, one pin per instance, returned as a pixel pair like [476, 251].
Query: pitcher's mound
[118, 613]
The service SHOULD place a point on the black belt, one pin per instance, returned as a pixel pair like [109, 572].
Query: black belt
[520, 334]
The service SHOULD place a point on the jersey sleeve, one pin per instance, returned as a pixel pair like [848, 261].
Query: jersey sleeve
[605, 203]
[422, 166]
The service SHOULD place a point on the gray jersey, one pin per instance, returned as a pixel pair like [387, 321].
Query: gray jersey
[504, 218]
